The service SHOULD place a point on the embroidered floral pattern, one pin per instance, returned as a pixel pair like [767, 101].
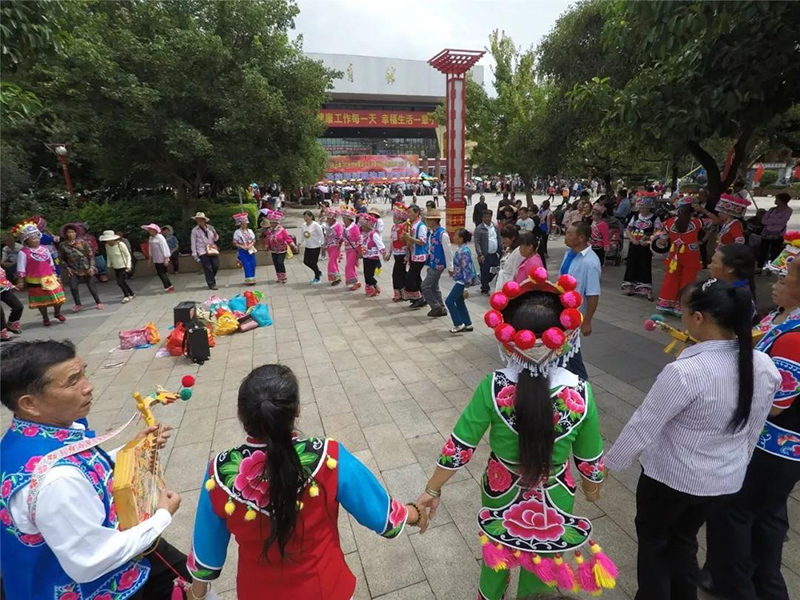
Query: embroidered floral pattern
[780, 442]
[592, 469]
[398, 515]
[200, 571]
[250, 480]
[532, 520]
[28, 429]
[498, 478]
[572, 401]
[122, 584]
[455, 453]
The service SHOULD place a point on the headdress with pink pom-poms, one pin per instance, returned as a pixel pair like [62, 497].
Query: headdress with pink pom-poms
[552, 347]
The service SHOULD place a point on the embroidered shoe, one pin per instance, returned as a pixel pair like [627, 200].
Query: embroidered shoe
[61, 318]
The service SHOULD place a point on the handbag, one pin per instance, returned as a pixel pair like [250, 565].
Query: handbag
[211, 247]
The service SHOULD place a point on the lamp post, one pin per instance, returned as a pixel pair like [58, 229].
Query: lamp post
[61, 151]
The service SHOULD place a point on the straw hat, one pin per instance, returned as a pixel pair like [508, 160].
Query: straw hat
[433, 213]
[201, 215]
[108, 236]
[375, 211]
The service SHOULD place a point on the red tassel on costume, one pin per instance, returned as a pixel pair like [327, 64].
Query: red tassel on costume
[586, 579]
[565, 576]
[177, 591]
[604, 569]
[543, 568]
[512, 558]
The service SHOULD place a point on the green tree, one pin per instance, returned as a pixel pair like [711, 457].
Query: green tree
[185, 93]
[702, 70]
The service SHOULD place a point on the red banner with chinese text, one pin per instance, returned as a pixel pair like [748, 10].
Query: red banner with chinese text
[335, 117]
[372, 167]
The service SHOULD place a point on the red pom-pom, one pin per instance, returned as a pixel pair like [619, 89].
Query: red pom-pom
[511, 289]
[553, 338]
[498, 301]
[567, 283]
[504, 333]
[649, 325]
[492, 318]
[187, 381]
[571, 299]
[538, 274]
[570, 318]
[524, 340]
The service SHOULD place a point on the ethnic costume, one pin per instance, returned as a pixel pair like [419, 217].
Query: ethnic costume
[683, 261]
[235, 501]
[418, 258]
[638, 279]
[277, 241]
[352, 248]
[371, 249]
[36, 267]
[399, 250]
[731, 231]
[245, 241]
[333, 246]
[532, 527]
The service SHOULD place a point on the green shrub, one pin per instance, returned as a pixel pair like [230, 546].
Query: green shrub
[768, 177]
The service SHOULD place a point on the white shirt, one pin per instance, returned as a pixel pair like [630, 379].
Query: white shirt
[448, 251]
[492, 241]
[244, 237]
[70, 516]
[509, 265]
[313, 236]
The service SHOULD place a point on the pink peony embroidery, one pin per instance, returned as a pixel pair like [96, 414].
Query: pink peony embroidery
[586, 468]
[6, 490]
[485, 514]
[465, 455]
[105, 596]
[531, 520]
[249, 481]
[568, 476]
[31, 464]
[30, 431]
[574, 401]
[191, 562]
[112, 514]
[601, 464]
[128, 578]
[93, 476]
[449, 448]
[789, 382]
[398, 513]
[99, 469]
[505, 397]
[61, 435]
[498, 477]
[31, 538]
[69, 596]
[5, 516]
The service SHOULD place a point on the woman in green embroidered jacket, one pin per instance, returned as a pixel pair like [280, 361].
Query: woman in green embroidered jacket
[537, 413]
[279, 494]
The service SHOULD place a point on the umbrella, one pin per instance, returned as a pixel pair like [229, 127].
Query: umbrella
[426, 183]
[477, 179]
[322, 188]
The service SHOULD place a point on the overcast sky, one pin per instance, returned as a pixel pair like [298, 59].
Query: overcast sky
[418, 29]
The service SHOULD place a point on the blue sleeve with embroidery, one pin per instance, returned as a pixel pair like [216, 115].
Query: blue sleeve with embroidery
[210, 541]
[362, 495]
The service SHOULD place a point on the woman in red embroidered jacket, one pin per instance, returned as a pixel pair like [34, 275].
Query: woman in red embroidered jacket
[279, 494]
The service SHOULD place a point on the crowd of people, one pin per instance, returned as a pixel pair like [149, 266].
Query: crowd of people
[717, 436]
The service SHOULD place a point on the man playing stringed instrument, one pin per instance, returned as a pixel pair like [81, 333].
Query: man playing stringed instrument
[59, 532]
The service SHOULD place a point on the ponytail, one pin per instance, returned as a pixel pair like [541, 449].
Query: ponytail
[268, 405]
[534, 413]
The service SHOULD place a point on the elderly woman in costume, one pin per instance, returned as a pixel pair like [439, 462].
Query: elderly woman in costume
[278, 494]
[35, 267]
[638, 279]
[352, 247]
[399, 249]
[77, 257]
[537, 414]
[680, 239]
[731, 211]
[277, 240]
[60, 536]
[371, 248]
[333, 231]
[245, 241]
[745, 541]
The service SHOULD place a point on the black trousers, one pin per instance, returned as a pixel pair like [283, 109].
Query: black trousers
[601, 254]
[489, 261]
[310, 259]
[75, 280]
[14, 304]
[175, 261]
[161, 271]
[414, 276]
[370, 264]
[640, 265]
[667, 522]
[278, 262]
[160, 581]
[399, 272]
[210, 267]
[768, 251]
[122, 282]
[745, 539]
[542, 249]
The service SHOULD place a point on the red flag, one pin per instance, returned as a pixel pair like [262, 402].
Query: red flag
[728, 161]
[759, 173]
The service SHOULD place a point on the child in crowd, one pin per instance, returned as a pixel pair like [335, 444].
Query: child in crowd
[277, 240]
[333, 231]
[159, 255]
[525, 223]
[119, 259]
[464, 275]
[371, 248]
[528, 244]
[399, 249]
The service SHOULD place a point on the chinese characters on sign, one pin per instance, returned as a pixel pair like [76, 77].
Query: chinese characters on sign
[334, 117]
[372, 167]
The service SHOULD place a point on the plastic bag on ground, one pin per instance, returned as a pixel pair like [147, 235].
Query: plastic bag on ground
[238, 304]
[260, 312]
[226, 324]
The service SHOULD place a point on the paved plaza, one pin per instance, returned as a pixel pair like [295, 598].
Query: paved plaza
[387, 382]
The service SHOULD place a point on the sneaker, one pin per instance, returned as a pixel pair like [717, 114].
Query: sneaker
[14, 327]
[77, 308]
[418, 303]
[213, 287]
[100, 306]
[467, 329]
[125, 300]
[61, 318]
[170, 289]
[439, 311]
[336, 282]
[355, 286]
[458, 329]
[315, 281]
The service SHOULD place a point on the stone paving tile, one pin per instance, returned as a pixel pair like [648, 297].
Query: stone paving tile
[418, 591]
[448, 564]
[388, 446]
[186, 466]
[410, 419]
[389, 565]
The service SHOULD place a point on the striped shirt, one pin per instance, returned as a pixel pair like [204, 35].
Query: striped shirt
[680, 429]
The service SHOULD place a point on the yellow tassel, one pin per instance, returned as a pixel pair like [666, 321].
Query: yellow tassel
[517, 553]
[499, 546]
[602, 577]
[229, 507]
[250, 515]
[536, 559]
[672, 248]
[300, 505]
[210, 484]
[484, 539]
[331, 462]
[313, 491]
[683, 249]
[558, 560]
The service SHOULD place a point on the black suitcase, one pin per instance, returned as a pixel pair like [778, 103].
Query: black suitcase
[196, 342]
[184, 312]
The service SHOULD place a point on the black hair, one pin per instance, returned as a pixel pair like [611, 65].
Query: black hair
[742, 261]
[25, 366]
[584, 194]
[623, 193]
[269, 399]
[487, 212]
[546, 204]
[783, 197]
[511, 232]
[731, 309]
[465, 235]
[528, 238]
[537, 312]
[583, 229]
[309, 213]
[415, 209]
